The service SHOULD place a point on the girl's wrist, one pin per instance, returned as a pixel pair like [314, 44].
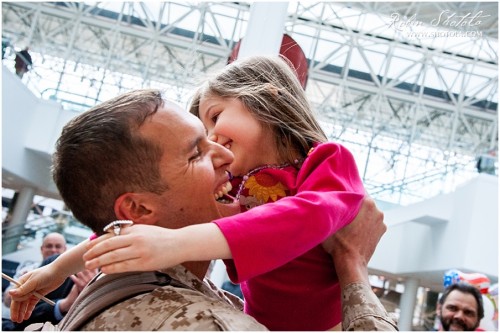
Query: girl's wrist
[205, 242]
[61, 268]
[69, 262]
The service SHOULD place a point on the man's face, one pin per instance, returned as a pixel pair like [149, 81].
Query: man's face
[459, 312]
[193, 168]
[53, 244]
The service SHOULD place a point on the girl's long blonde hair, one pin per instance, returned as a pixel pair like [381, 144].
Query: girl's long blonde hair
[270, 90]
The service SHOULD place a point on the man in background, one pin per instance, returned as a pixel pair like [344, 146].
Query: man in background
[53, 245]
[460, 308]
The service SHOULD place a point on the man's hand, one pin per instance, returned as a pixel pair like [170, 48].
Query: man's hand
[80, 279]
[66, 302]
[353, 246]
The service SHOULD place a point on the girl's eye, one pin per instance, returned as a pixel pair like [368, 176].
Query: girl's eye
[215, 117]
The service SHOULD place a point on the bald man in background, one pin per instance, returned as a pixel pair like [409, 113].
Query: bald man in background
[53, 245]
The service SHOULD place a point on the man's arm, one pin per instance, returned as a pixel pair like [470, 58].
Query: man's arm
[351, 249]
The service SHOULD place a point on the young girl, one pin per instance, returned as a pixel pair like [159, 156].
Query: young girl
[257, 109]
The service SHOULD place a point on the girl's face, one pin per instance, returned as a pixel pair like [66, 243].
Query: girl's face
[229, 123]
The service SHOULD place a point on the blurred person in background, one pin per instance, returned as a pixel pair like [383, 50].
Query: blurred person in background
[53, 245]
[460, 308]
[23, 62]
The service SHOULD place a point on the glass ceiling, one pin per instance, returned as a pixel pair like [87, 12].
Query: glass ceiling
[410, 88]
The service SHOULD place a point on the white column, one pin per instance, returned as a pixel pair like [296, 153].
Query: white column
[407, 304]
[265, 29]
[12, 234]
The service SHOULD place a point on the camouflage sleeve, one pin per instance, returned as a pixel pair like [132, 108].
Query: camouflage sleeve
[362, 310]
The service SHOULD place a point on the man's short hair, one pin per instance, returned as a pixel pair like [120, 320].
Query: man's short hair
[100, 156]
[465, 288]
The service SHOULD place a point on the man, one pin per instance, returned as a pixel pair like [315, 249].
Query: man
[53, 245]
[460, 308]
[140, 158]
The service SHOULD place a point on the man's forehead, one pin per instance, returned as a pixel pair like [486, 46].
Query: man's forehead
[174, 111]
[54, 238]
[457, 296]
[178, 125]
[169, 105]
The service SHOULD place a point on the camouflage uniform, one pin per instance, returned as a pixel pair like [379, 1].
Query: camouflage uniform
[191, 305]
[362, 310]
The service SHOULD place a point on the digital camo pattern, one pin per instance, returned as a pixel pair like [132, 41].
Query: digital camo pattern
[362, 311]
[190, 305]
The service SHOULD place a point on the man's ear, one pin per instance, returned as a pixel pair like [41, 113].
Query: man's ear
[134, 207]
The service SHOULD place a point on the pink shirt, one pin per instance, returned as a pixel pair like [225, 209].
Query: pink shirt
[288, 280]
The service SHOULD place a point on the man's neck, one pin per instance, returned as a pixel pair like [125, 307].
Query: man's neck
[198, 268]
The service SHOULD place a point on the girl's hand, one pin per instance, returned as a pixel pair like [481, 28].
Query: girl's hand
[138, 248]
[42, 280]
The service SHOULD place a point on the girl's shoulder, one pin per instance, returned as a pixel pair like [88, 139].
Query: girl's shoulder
[326, 147]
[327, 157]
[326, 151]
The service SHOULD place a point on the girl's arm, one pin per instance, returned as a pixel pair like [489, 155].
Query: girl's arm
[147, 247]
[329, 196]
[44, 280]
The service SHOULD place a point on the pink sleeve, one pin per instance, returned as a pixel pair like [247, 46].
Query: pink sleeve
[329, 195]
